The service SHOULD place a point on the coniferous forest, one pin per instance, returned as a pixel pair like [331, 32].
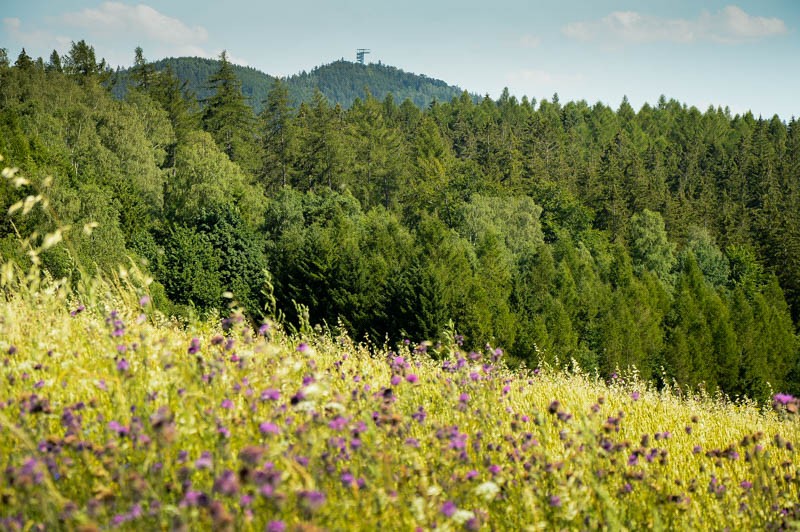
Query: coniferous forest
[571, 234]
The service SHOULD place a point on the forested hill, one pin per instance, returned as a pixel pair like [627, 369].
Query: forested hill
[341, 82]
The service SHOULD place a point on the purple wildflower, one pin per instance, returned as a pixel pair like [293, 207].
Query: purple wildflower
[268, 427]
[555, 501]
[194, 498]
[312, 500]
[270, 394]
[194, 346]
[448, 508]
[412, 378]
[205, 461]
[782, 398]
[347, 479]
[123, 365]
[635, 396]
[276, 526]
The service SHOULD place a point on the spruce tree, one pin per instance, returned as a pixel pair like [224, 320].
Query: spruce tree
[228, 118]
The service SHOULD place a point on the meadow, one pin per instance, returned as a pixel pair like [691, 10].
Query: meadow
[113, 416]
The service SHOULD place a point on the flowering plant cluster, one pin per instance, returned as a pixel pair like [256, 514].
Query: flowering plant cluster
[112, 418]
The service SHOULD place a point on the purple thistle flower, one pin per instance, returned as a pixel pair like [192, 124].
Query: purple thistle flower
[782, 398]
[227, 483]
[194, 346]
[123, 365]
[494, 469]
[555, 501]
[205, 461]
[270, 394]
[412, 442]
[268, 427]
[448, 508]
[144, 300]
[635, 396]
[312, 500]
[77, 311]
[463, 398]
[337, 423]
[227, 404]
[471, 474]
[746, 484]
[396, 379]
[412, 378]
[347, 479]
[303, 347]
[276, 526]
[115, 426]
[194, 498]
[264, 329]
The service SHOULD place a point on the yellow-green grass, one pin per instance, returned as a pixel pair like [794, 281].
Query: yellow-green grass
[314, 432]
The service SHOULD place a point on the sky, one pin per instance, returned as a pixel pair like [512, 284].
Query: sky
[743, 55]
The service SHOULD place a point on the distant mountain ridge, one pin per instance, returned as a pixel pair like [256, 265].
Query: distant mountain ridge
[340, 81]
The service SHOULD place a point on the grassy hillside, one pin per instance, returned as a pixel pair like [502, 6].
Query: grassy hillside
[341, 82]
[112, 416]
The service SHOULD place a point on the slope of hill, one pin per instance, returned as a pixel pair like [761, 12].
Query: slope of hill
[122, 419]
[341, 82]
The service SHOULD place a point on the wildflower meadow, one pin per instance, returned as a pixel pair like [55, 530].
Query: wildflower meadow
[114, 417]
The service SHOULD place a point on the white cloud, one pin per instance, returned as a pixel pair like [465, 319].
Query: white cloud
[115, 18]
[35, 41]
[728, 25]
[530, 41]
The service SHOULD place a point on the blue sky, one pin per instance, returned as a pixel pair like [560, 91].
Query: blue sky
[744, 55]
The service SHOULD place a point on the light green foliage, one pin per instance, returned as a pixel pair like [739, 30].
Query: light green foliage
[515, 219]
[651, 250]
[712, 262]
[205, 178]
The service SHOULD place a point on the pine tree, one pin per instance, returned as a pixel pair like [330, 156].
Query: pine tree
[229, 119]
[54, 65]
[142, 72]
[278, 137]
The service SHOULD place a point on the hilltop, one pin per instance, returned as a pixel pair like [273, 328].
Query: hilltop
[341, 82]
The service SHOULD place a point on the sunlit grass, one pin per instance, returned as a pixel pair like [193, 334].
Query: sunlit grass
[114, 416]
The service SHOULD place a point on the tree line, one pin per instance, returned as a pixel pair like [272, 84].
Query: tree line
[666, 239]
